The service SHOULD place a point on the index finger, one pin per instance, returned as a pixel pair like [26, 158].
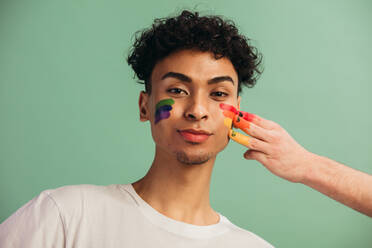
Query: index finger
[245, 115]
[255, 119]
[237, 121]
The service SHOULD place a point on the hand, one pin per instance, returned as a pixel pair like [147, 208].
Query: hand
[269, 144]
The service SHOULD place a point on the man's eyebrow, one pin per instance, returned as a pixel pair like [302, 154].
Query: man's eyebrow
[177, 75]
[187, 79]
[220, 79]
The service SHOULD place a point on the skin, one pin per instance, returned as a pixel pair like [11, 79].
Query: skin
[178, 181]
[274, 148]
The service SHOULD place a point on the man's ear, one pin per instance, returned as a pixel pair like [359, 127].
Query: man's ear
[239, 102]
[143, 106]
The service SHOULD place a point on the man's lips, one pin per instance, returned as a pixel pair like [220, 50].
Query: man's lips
[194, 135]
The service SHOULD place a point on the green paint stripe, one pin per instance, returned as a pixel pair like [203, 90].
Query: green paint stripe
[163, 102]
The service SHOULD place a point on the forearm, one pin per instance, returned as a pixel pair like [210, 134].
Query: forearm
[344, 184]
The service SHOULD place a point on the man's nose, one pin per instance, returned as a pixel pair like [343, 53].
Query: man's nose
[196, 110]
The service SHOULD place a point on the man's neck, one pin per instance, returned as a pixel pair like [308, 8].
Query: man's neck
[177, 190]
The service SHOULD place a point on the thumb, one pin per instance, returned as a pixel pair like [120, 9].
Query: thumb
[254, 155]
[249, 154]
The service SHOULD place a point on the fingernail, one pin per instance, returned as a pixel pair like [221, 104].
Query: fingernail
[233, 133]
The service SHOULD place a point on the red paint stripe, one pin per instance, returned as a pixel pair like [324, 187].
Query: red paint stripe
[245, 115]
[228, 107]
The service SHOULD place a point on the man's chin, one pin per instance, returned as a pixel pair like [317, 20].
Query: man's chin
[193, 159]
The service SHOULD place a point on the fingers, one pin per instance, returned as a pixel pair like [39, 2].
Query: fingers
[250, 142]
[245, 115]
[251, 129]
[241, 123]
[246, 126]
[255, 155]
[263, 123]
[257, 120]
[257, 127]
[240, 138]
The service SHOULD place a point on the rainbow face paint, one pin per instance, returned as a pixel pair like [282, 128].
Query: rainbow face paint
[162, 109]
[245, 115]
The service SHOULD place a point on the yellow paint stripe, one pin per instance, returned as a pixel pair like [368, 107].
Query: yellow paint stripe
[239, 138]
[227, 122]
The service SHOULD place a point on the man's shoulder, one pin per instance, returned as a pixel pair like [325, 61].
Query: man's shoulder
[71, 197]
[247, 237]
[72, 192]
[76, 191]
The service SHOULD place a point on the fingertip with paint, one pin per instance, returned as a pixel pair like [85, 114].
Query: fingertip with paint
[227, 122]
[228, 114]
[228, 107]
[241, 123]
[239, 138]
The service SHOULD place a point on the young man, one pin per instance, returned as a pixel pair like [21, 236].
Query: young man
[193, 69]
[190, 65]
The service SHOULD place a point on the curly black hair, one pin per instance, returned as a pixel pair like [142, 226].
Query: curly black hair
[191, 31]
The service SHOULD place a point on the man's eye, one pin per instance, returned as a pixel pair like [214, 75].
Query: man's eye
[176, 91]
[219, 94]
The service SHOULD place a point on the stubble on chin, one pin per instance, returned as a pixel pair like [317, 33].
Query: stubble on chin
[184, 158]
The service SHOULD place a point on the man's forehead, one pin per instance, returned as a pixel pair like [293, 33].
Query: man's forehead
[194, 65]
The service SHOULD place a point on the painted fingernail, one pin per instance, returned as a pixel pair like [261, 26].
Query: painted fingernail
[233, 133]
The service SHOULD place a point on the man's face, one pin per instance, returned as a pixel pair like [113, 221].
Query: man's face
[193, 131]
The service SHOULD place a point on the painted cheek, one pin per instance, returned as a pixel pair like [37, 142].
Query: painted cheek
[228, 114]
[229, 117]
[162, 109]
[228, 107]
[162, 113]
[227, 122]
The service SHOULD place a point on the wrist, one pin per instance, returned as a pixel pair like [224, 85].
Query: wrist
[313, 161]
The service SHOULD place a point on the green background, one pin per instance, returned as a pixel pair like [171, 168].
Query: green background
[68, 106]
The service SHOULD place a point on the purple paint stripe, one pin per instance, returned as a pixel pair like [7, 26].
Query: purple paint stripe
[164, 108]
[160, 115]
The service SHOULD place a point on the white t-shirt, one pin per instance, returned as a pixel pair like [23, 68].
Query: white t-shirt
[111, 216]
